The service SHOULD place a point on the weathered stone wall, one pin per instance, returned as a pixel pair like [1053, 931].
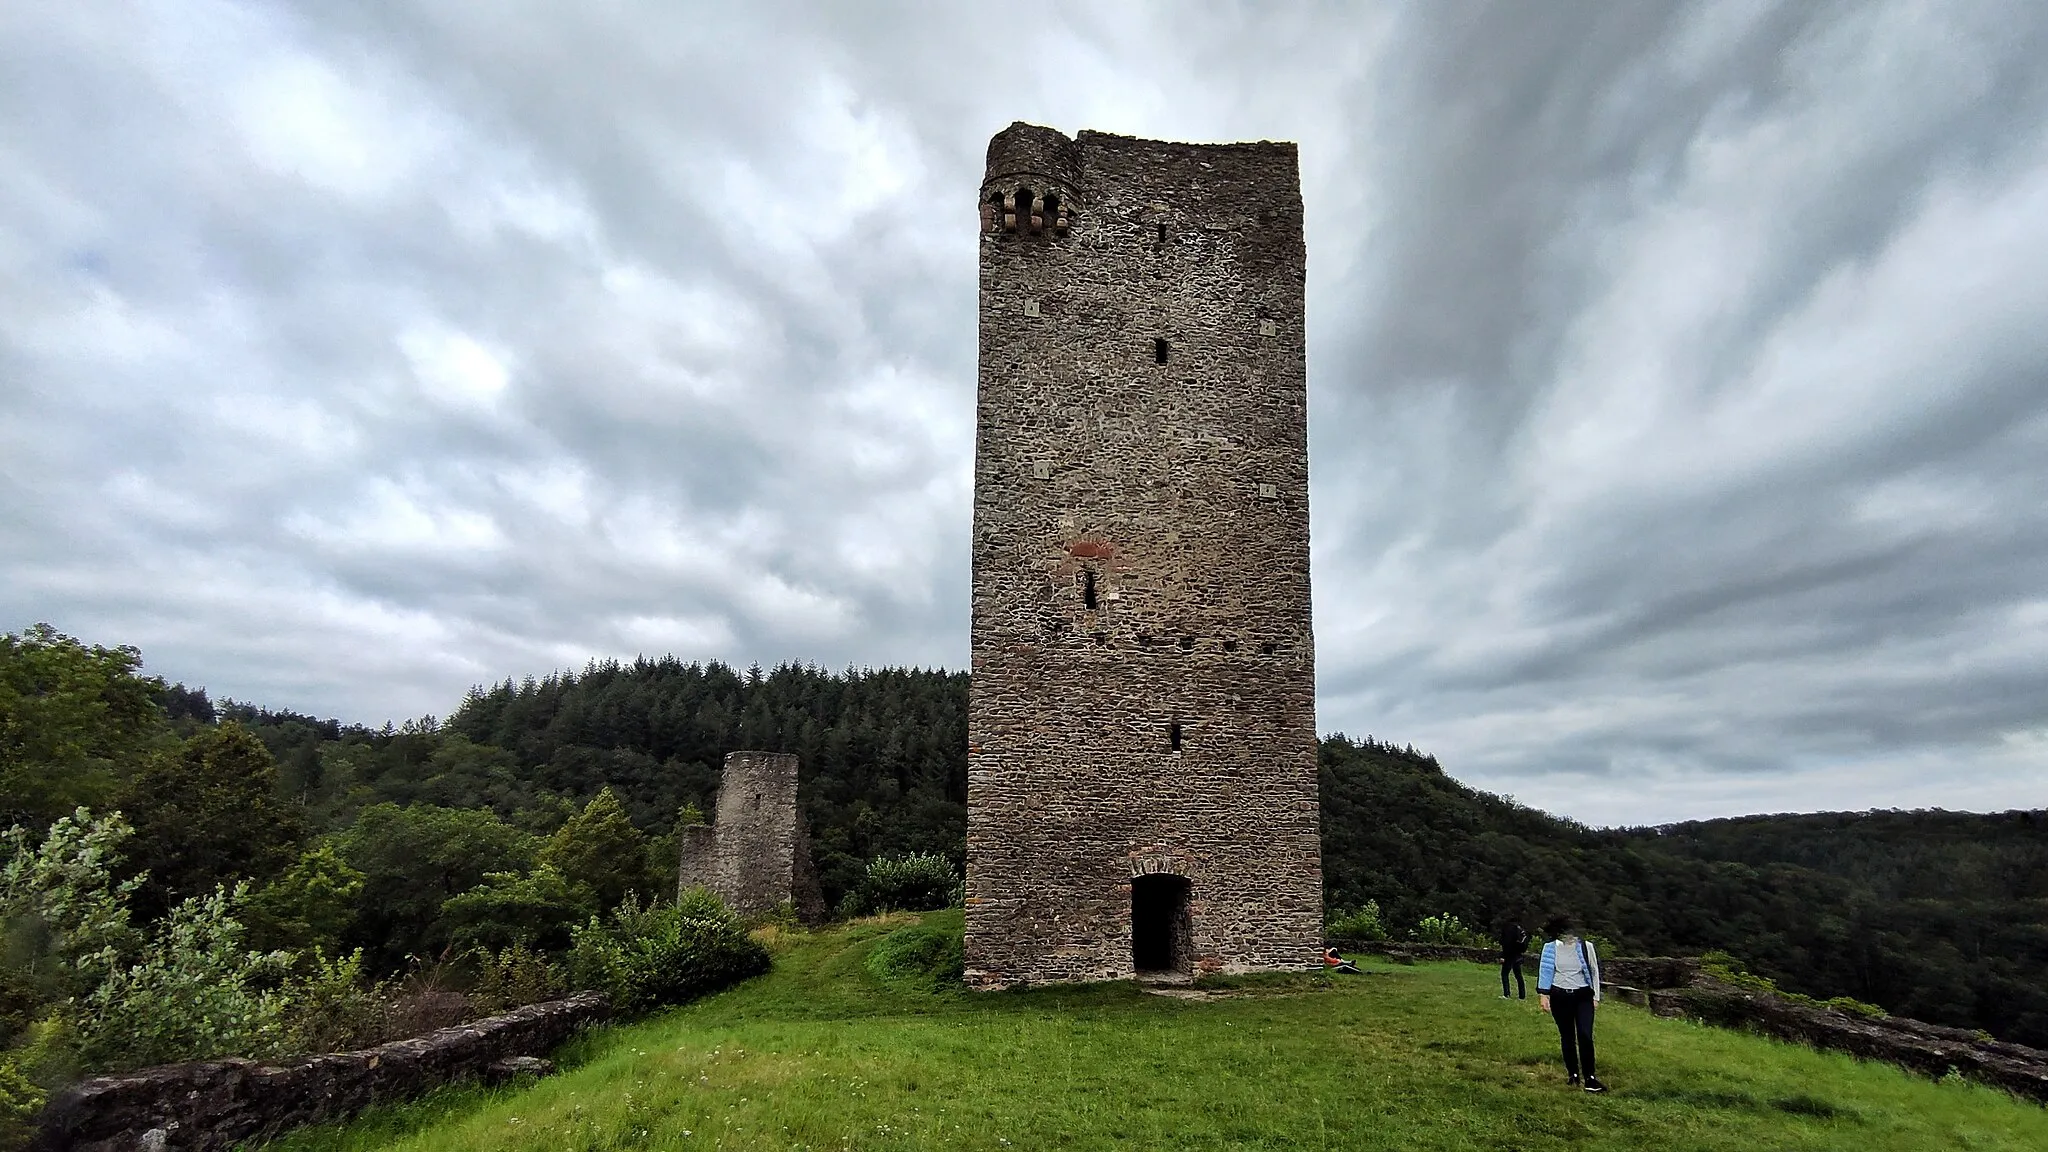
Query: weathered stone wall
[697, 849]
[1929, 1049]
[1630, 971]
[1143, 696]
[217, 1104]
[1676, 986]
[758, 854]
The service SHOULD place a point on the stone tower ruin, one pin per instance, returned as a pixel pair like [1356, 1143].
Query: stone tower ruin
[1142, 743]
[757, 856]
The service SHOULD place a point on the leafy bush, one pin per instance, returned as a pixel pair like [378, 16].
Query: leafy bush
[511, 977]
[926, 957]
[311, 906]
[1358, 924]
[194, 992]
[646, 958]
[508, 910]
[1730, 970]
[920, 882]
[1444, 928]
[19, 1102]
[333, 1008]
[61, 910]
[106, 996]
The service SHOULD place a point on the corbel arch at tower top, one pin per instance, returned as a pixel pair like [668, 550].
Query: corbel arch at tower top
[1028, 188]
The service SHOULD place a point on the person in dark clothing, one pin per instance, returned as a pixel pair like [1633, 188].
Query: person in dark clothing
[1568, 987]
[1514, 940]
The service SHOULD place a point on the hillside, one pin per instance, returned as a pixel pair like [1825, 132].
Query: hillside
[1936, 915]
[835, 1050]
[1941, 916]
[370, 834]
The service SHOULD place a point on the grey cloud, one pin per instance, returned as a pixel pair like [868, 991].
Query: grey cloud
[1678, 408]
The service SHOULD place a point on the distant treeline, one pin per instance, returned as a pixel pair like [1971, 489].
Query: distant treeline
[1937, 915]
[1940, 916]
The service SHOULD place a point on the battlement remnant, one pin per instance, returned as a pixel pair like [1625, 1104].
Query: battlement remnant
[1142, 746]
[757, 856]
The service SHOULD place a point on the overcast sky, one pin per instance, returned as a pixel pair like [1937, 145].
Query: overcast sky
[1678, 374]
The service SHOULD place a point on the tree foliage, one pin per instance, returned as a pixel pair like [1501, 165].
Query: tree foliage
[74, 721]
[413, 860]
[208, 813]
[599, 852]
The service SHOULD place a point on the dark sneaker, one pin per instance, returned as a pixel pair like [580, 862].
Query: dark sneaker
[1572, 1081]
[1593, 1084]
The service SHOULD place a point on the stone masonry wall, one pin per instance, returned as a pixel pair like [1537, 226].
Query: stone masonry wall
[757, 856]
[1143, 697]
[218, 1104]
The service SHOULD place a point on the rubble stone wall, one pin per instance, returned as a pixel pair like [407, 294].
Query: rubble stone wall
[1143, 695]
[1675, 986]
[1930, 1049]
[217, 1104]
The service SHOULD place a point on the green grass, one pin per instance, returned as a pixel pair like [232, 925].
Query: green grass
[833, 1051]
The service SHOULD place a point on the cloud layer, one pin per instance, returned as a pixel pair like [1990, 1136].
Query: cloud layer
[1679, 388]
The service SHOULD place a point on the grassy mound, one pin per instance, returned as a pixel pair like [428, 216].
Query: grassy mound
[922, 957]
[858, 1040]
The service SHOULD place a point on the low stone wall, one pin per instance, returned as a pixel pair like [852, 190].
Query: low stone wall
[1930, 1049]
[216, 1104]
[1635, 971]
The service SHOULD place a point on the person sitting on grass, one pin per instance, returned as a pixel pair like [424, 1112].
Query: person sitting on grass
[1335, 962]
[1568, 987]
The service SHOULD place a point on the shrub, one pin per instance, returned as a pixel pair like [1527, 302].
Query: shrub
[311, 906]
[511, 977]
[926, 957]
[1444, 928]
[63, 917]
[509, 910]
[1730, 970]
[19, 1103]
[921, 882]
[332, 1007]
[1359, 924]
[193, 993]
[647, 958]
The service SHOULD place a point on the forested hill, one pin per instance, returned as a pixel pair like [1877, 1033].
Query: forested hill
[884, 752]
[1937, 915]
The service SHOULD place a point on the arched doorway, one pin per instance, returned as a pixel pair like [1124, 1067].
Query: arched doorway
[1160, 934]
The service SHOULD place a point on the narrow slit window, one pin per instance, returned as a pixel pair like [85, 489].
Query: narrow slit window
[1159, 350]
[1173, 735]
[1162, 235]
[1088, 589]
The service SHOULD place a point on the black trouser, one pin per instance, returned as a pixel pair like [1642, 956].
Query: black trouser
[1512, 964]
[1572, 1008]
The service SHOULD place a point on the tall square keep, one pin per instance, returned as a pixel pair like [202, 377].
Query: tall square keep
[1141, 791]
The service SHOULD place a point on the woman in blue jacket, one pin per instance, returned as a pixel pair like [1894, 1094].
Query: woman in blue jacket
[1568, 987]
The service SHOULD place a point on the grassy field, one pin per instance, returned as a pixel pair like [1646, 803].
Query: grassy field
[831, 1052]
